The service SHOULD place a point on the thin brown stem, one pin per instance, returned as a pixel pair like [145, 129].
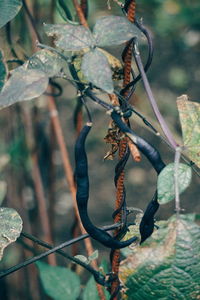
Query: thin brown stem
[122, 148]
[80, 14]
[38, 183]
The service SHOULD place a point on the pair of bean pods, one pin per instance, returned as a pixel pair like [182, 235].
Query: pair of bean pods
[82, 181]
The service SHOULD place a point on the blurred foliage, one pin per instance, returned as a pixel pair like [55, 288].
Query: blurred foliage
[175, 27]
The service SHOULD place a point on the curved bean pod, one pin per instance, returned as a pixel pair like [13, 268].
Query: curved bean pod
[147, 149]
[147, 222]
[82, 195]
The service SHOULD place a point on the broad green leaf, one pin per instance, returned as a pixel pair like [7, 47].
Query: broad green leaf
[165, 185]
[70, 37]
[10, 227]
[8, 10]
[3, 70]
[46, 61]
[90, 291]
[23, 85]
[58, 282]
[167, 265]
[96, 69]
[189, 114]
[113, 30]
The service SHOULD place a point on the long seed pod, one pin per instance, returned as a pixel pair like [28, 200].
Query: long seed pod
[82, 195]
[147, 149]
[147, 222]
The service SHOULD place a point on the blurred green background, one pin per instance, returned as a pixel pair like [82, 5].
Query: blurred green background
[175, 27]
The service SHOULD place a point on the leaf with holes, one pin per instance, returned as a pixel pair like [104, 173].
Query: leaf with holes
[189, 114]
[3, 70]
[96, 69]
[165, 185]
[59, 283]
[23, 85]
[8, 10]
[113, 30]
[70, 37]
[167, 265]
[10, 227]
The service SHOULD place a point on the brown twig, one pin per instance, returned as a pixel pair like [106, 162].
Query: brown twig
[38, 182]
[134, 151]
[84, 7]
[70, 178]
[122, 149]
[80, 14]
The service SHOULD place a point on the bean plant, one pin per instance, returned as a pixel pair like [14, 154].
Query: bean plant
[149, 259]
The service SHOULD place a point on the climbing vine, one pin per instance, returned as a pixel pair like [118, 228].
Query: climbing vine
[161, 258]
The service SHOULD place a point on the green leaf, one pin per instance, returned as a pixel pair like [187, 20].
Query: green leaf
[8, 10]
[58, 282]
[167, 265]
[90, 291]
[189, 114]
[3, 71]
[82, 258]
[10, 227]
[46, 61]
[96, 69]
[70, 37]
[113, 30]
[23, 85]
[165, 185]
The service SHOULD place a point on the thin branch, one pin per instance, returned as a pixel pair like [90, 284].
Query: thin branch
[176, 181]
[54, 249]
[39, 190]
[80, 14]
[94, 272]
[152, 100]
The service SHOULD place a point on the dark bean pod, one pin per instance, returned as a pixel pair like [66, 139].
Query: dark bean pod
[82, 195]
[147, 222]
[147, 149]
